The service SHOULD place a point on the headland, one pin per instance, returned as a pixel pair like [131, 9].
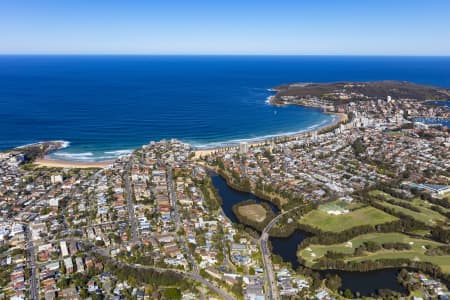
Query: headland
[328, 97]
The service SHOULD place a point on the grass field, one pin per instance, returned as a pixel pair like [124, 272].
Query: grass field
[426, 215]
[338, 205]
[417, 202]
[314, 252]
[335, 205]
[362, 216]
[255, 212]
[421, 232]
[442, 261]
[425, 204]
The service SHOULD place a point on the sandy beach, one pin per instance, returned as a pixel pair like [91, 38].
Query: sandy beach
[46, 162]
[341, 117]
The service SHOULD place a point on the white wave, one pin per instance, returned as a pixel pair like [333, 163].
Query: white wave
[78, 156]
[269, 100]
[105, 157]
[119, 152]
[318, 125]
[64, 144]
[235, 142]
[28, 145]
[90, 156]
[79, 159]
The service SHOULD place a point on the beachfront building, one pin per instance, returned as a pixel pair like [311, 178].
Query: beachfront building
[243, 147]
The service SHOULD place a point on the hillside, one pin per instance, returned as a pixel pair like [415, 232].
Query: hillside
[354, 91]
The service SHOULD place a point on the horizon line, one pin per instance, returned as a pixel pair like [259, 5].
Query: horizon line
[221, 54]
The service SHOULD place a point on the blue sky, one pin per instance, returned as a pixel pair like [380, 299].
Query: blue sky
[318, 27]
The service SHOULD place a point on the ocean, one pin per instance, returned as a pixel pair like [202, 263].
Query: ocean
[105, 106]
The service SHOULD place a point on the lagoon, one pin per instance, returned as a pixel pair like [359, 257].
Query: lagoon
[365, 283]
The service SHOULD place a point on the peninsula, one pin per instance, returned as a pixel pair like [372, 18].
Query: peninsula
[341, 92]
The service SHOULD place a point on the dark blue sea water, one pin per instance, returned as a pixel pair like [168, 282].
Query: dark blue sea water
[105, 104]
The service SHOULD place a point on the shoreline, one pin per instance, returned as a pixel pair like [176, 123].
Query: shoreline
[201, 152]
[53, 163]
[337, 119]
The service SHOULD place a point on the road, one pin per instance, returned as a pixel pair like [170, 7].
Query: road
[173, 199]
[192, 276]
[226, 263]
[266, 255]
[176, 216]
[267, 261]
[30, 248]
[34, 282]
[131, 215]
[90, 199]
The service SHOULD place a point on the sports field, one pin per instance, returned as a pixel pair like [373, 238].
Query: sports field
[363, 216]
[335, 205]
[339, 205]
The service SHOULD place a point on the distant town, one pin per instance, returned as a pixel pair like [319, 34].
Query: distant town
[370, 192]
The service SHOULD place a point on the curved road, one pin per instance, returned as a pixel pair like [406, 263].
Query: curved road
[192, 276]
[265, 252]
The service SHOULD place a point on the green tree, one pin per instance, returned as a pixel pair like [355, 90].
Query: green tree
[348, 294]
[333, 282]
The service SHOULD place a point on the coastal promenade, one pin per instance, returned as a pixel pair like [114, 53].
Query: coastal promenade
[339, 118]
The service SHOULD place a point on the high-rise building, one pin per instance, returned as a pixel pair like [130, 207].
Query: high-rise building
[243, 147]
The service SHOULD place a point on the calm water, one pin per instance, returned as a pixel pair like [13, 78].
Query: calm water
[366, 283]
[106, 105]
[287, 247]
[231, 197]
[444, 122]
